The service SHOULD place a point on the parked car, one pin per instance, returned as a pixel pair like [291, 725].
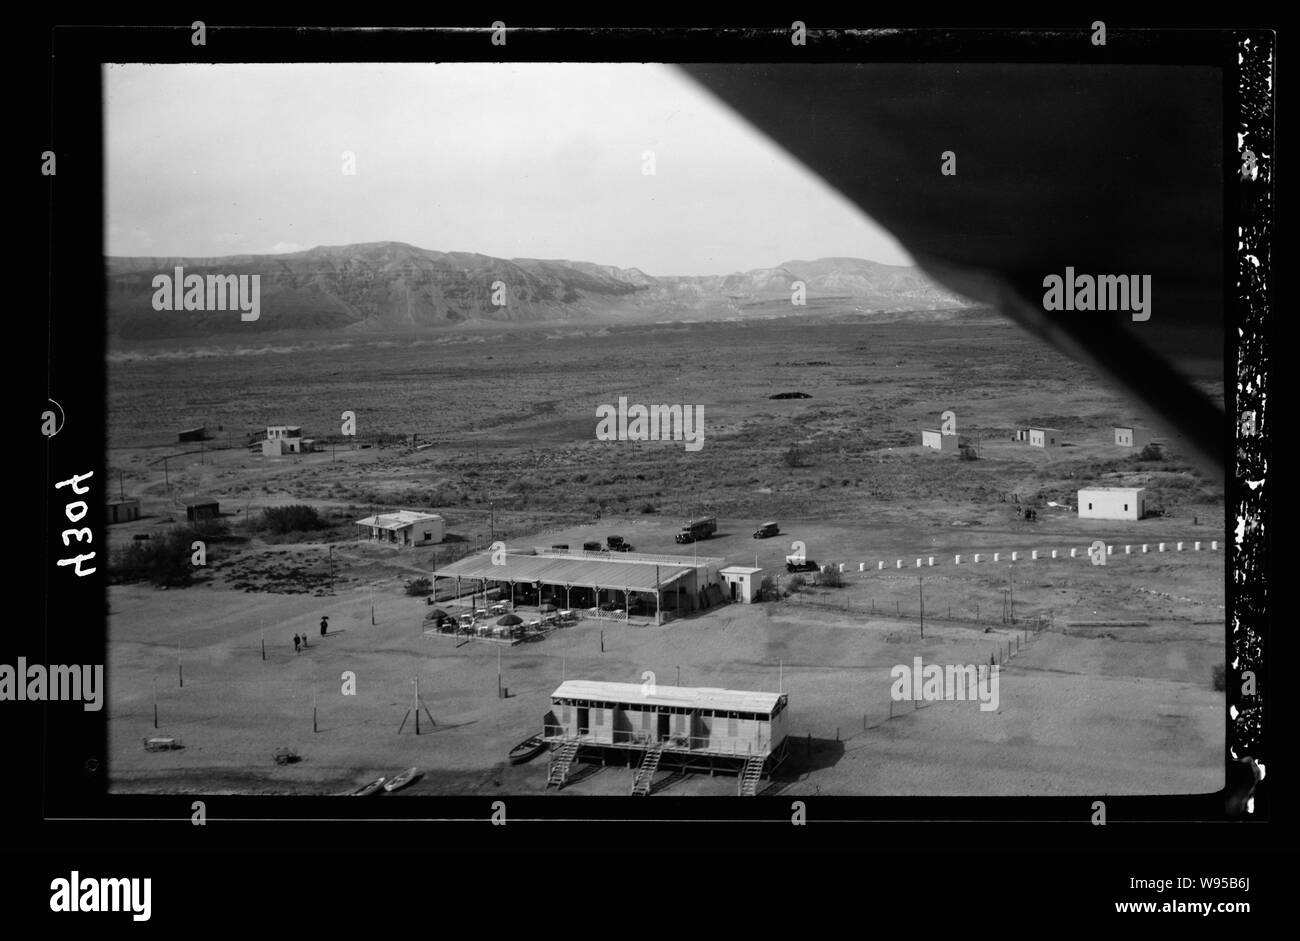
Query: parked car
[593, 547]
[794, 563]
[767, 529]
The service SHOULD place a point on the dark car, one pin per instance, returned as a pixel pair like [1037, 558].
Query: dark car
[593, 547]
[767, 529]
[808, 565]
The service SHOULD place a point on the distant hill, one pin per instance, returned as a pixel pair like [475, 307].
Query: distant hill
[385, 286]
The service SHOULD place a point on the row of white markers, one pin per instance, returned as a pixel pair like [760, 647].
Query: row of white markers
[1034, 555]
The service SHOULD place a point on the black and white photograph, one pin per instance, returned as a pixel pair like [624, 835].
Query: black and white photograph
[694, 436]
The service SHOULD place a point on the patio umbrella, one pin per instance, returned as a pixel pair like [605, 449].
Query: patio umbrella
[510, 620]
[436, 613]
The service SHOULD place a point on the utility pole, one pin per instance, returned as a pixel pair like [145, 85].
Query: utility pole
[921, 592]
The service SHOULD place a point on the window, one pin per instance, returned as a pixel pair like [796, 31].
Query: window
[1126, 507]
[1090, 506]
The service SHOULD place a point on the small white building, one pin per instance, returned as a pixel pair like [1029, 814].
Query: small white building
[404, 528]
[1112, 503]
[1044, 437]
[282, 439]
[931, 438]
[743, 583]
[1132, 437]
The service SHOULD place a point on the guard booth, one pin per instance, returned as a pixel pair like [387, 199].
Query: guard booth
[742, 583]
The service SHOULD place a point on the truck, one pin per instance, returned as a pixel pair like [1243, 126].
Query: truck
[616, 544]
[698, 529]
[766, 530]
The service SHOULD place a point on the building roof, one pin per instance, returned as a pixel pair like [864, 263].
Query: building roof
[398, 520]
[1043, 428]
[1111, 489]
[690, 697]
[202, 501]
[583, 570]
[740, 570]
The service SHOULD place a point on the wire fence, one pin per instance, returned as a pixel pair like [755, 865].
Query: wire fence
[938, 612]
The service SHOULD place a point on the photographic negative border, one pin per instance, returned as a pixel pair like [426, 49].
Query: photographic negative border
[74, 779]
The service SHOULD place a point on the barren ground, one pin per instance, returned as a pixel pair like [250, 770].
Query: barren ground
[1083, 709]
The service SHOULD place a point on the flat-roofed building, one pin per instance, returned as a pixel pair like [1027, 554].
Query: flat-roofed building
[202, 508]
[742, 582]
[1112, 503]
[282, 439]
[404, 528]
[1044, 437]
[614, 584]
[123, 511]
[933, 438]
[1127, 437]
[691, 728]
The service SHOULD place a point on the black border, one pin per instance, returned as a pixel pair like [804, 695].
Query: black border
[73, 751]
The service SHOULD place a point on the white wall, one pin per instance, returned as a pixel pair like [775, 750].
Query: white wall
[1111, 504]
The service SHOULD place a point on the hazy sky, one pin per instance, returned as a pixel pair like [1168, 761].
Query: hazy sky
[511, 160]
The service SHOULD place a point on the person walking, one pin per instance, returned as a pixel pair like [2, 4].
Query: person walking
[297, 644]
[324, 624]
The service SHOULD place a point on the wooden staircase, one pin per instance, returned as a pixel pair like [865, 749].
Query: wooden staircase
[750, 775]
[561, 760]
[645, 774]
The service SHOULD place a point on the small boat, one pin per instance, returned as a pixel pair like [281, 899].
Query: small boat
[403, 779]
[530, 747]
[371, 788]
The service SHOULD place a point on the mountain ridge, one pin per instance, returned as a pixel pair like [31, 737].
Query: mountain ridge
[396, 285]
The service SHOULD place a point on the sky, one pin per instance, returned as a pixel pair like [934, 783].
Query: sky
[514, 160]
